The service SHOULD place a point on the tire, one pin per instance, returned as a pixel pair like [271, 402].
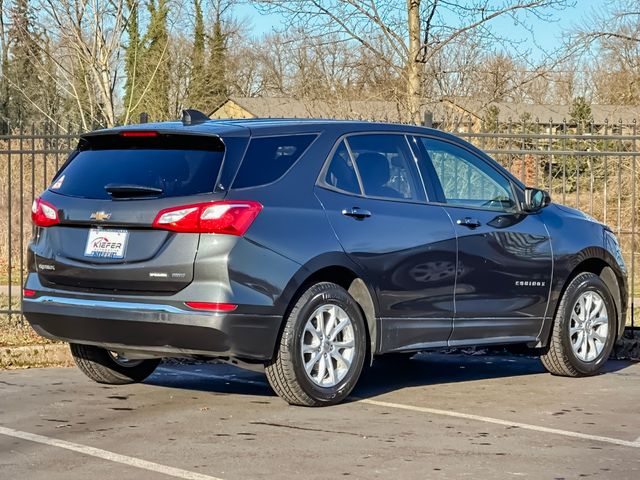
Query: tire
[286, 372]
[561, 358]
[101, 366]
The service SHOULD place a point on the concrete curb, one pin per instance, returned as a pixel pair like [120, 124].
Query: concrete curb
[29, 356]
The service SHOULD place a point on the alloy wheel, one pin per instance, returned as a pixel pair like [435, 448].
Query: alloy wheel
[328, 345]
[589, 326]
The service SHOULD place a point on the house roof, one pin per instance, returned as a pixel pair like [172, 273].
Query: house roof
[282, 107]
[460, 109]
[545, 113]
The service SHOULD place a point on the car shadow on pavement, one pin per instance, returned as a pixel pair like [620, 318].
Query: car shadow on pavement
[438, 368]
[391, 374]
[386, 375]
[210, 377]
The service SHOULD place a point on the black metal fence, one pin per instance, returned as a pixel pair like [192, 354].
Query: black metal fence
[29, 158]
[590, 167]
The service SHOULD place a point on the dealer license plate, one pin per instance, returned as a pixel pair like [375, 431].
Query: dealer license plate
[106, 243]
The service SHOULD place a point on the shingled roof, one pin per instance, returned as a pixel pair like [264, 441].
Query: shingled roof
[282, 107]
[461, 110]
[510, 111]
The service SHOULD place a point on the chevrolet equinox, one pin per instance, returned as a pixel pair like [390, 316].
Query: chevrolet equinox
[309, 248]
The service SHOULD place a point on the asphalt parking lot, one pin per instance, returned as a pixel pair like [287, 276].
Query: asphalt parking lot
[436, 416]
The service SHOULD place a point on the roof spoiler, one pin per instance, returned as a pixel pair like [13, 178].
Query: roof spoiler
[193, 117]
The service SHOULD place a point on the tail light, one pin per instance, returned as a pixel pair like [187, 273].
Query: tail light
[139, 133]
[43, 214]
[228, 217]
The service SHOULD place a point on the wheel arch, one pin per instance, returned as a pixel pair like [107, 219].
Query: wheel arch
[605, 270]
[341, 271]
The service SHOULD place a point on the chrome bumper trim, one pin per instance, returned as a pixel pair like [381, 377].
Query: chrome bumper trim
[77, 302]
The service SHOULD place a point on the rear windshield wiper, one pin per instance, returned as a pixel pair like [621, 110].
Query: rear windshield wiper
[123, 190]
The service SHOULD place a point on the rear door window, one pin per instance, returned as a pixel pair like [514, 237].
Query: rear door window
[386, 166]
[268, 159]
[341, 174]
[171, 171]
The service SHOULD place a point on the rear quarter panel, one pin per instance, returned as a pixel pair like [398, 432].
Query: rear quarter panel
[291, 238]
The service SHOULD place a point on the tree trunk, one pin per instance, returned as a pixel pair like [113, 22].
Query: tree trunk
[4, 66]
[414, 67]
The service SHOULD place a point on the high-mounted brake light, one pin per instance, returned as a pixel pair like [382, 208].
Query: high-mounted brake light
[227, 217]
[214, 307]
[139, 133]
[43, 214]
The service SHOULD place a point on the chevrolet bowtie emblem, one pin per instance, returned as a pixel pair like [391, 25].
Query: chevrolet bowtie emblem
[100, 216]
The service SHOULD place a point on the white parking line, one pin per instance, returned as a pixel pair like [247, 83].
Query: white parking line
[506, 423]
[106, 455]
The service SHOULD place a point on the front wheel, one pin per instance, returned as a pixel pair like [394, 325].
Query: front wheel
[584, 329]
[322, 349]
[103, 366]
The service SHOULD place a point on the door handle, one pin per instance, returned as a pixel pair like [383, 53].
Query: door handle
[356, 212]
[469, 222]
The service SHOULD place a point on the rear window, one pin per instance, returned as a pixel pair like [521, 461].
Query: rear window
[268, 158]
[174, 172]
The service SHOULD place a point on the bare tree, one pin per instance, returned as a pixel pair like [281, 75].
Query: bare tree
[293, 64]
[621, 23]
[4, 64]
[415, 31]
[89, 33]
[609, 45]
[243, 69]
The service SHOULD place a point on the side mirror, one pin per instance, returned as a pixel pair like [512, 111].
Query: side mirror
[535, 199]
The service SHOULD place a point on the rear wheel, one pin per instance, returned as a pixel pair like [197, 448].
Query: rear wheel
[104, 366]
[322, 349]
[584, 329]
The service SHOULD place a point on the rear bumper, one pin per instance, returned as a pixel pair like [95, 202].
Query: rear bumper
[162, 329]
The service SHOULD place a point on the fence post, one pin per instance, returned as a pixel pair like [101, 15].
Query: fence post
[33, 162]
[21, 207]
[550, 161]
[428, 119]
[606, 175]
[9, 226]
[634, 218]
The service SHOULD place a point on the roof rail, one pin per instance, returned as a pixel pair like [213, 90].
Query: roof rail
[193, 117]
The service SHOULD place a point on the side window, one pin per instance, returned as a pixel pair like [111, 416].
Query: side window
[466, 179]
[268, 158]
[385, 166]
[341, 174]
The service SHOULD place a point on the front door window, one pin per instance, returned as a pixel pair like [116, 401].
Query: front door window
[468, 181]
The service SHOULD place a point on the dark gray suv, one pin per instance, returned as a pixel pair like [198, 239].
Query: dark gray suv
[310, 248]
